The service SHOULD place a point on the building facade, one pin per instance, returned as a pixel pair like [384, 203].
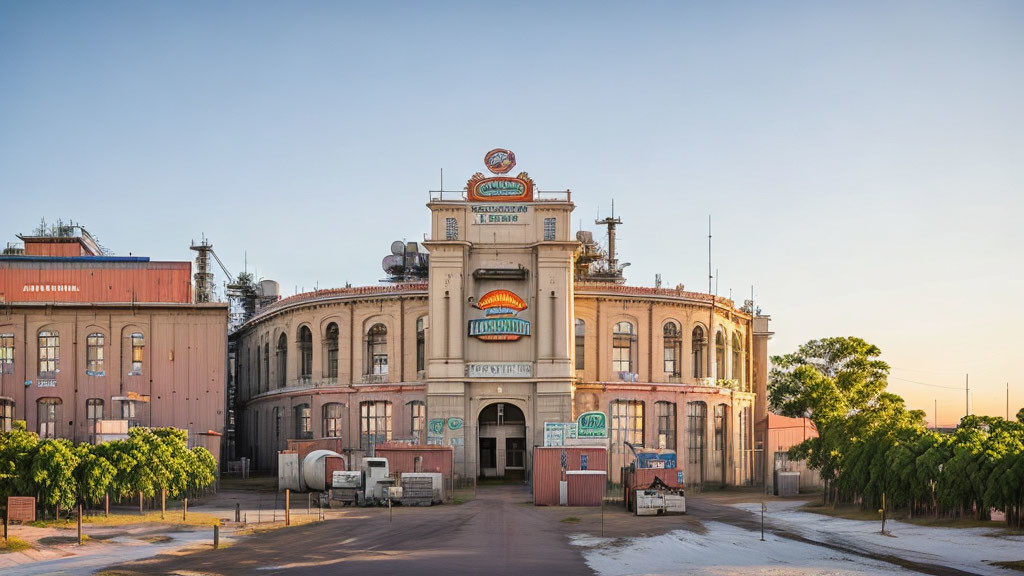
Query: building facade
[518, 323]
[86, 337]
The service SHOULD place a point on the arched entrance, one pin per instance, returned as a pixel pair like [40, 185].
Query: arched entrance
[501, 437]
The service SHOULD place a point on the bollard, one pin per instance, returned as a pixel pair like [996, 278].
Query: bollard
[5, 527]
[106, 505]
[216, 536]
[184, 511]
[140, 502]
[287, 507]
[79, 523]
[238, 512]
[163, 503]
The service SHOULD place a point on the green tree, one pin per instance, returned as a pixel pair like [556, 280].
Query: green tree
[17, 448]
[94, 473]
[53, 473]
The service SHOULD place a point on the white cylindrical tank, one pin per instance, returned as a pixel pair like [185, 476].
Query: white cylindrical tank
[314, 469]
[269, 288]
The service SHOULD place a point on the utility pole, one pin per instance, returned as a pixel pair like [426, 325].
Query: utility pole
[967, 394]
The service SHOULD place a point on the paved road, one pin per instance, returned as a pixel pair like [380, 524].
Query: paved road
[497, 533]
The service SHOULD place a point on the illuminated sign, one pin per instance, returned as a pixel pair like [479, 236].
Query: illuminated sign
[500, 188]
[501, 307]
[500, 161]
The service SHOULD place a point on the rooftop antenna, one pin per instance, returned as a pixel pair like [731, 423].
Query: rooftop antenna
[442, 179]
[611, 222]
[709, 254]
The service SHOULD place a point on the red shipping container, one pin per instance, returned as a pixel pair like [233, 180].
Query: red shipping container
[547, 468]
[403, 458]
[94, 279]
[585, 487]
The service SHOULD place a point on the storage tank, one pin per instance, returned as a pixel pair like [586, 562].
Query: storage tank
[269, 289]
[314, 469]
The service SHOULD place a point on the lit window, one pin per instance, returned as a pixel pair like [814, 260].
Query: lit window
[138, 345]
[49, 353]
[303, 421]
[332, 420]
[6, 353]
[94, 354]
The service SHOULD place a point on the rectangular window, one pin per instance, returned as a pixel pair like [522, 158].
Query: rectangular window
[549, 229]
[375, 423]
[93, 414]
[697, 421]
[138, 346]
[303, 421]
[670, 362]
[49, 417]
[581, 341]
[666, 425]
[6, 353]
[451, 229]
[418, 417]
[627, 422]
[94, 354]
[720, 428]
[421, 346]
[49, 354]
[6, 414]
[128, 412]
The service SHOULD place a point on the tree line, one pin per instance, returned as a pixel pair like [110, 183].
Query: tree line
[870, 444]
[61, 474]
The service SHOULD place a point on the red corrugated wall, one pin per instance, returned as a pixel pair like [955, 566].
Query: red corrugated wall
[585, 489]
[435, 459]
[304, 447]
[547, 469]
[644, 477]
[99, 282]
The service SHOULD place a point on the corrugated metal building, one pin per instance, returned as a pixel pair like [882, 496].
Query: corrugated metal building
[547, 473]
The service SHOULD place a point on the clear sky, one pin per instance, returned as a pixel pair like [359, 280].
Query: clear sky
[863, 162]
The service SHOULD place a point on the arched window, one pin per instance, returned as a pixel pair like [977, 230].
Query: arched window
[421, 345]
[138, 346]
[666, 413]
[417, 419]
[303, 421]
[377, 350]
[266, 365]
[581, 341]
[623, 348]
[673, 349]
[49, 353]
[332, 420]
[720, 355]
[332, 350]
[282, 361]
[305, 353]
[737, 359]
[697, 343]
[94, 354]
[49, 417]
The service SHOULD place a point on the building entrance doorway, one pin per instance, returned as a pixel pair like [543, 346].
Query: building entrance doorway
[502, 442]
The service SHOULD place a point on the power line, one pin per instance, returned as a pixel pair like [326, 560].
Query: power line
[928, 371]
[926, 383]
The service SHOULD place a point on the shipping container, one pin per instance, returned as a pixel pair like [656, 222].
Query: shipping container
[94, 279]
[547, 468]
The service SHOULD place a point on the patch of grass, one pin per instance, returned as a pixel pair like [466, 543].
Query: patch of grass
[1017, 565]
[462, 495]
[570, 520]
[14, 545]
[172, 517]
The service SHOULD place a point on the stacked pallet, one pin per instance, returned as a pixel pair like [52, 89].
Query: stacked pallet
[417, 491]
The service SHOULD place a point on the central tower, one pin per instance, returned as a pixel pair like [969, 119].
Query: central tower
[501, 310]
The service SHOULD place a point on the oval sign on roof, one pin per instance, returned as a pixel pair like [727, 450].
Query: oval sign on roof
[500, 160]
